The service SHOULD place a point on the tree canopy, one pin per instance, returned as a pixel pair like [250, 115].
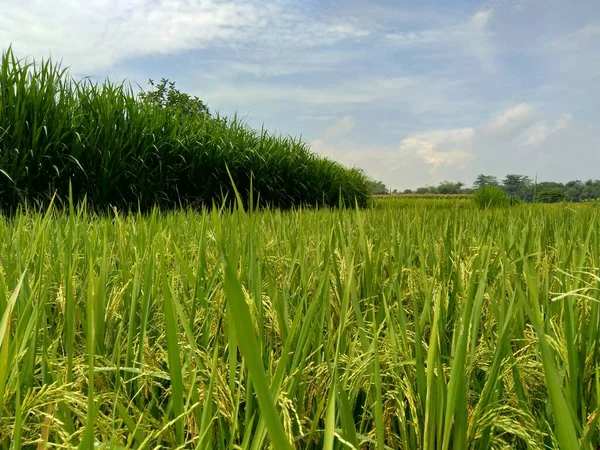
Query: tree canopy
[521, 187]
[165, 95]
[377, 187]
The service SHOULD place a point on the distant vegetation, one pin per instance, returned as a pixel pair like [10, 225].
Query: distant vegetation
[163, 148]
[491, 197]
[377, 187]
[515, 186]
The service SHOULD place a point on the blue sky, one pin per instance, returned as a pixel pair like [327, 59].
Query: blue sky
[413, 92]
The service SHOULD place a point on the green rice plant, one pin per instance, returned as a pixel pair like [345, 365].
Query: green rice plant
[397, 326]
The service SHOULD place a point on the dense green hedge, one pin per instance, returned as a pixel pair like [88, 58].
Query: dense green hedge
[115, 150]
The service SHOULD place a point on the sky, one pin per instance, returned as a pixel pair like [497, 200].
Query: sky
[413, 92]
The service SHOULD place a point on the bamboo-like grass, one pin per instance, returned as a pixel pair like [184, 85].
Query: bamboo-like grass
[105, 146]
[388, 327]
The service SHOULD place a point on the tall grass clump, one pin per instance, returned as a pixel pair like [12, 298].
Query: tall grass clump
[491, 197]
[103, 144]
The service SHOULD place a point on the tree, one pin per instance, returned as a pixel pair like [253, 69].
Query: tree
[426, 190]
[450, 187]
[165, 95]
[519, 186]
[485, 180]
[551, 195]
[574, 190]
[377, 187]
[591, 190]
[550, 192]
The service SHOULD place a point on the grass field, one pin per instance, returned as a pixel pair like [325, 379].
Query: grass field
[407, 325]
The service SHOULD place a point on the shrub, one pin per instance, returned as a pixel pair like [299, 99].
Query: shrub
[113, 148]
[491, 197]
[551, 195]
[515, 200]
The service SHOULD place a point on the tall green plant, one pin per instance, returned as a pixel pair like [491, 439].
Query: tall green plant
[118, 150]
[491, 197]
[415, 324]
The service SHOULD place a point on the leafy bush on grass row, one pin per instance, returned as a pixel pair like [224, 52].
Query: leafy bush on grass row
[491, 197]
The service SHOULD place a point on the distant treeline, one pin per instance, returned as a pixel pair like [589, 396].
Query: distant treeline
[515, 185]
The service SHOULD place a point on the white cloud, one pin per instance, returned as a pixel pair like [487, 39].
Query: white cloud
[512, 120]
[480, 20]
[316, 117]
[433, 148]
[458, 136]
[341, 127]
[469, 38]
[574, 40]
[413, 37]
[538, 133]
[349, 30]
[250, 93]
[407, 95]
[478, 42]
[576, 56]
[523, 124]
[452, 147]
[97, 34]
[440, 147]
[591, 30]
[320, 147]
[262, 64]
[461, 153]
[563, 122]
[450, 157]
[477, 24]
[427, 150]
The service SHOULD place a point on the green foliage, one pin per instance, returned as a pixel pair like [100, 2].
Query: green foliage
[590, 190]
[520, 188]
[491, 197]
[165, 95]
[514, 200]
[110, 147]
[377, 187]
[485, 180]
[450, 187]
[550, 195]
[415, 324]
[426, 190]
[444, 188]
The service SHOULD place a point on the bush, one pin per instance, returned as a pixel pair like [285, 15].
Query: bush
[491, 197]
[114, 148]
[551, 195]
[515, 200]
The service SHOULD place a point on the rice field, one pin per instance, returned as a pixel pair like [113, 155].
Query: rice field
[398, 326]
